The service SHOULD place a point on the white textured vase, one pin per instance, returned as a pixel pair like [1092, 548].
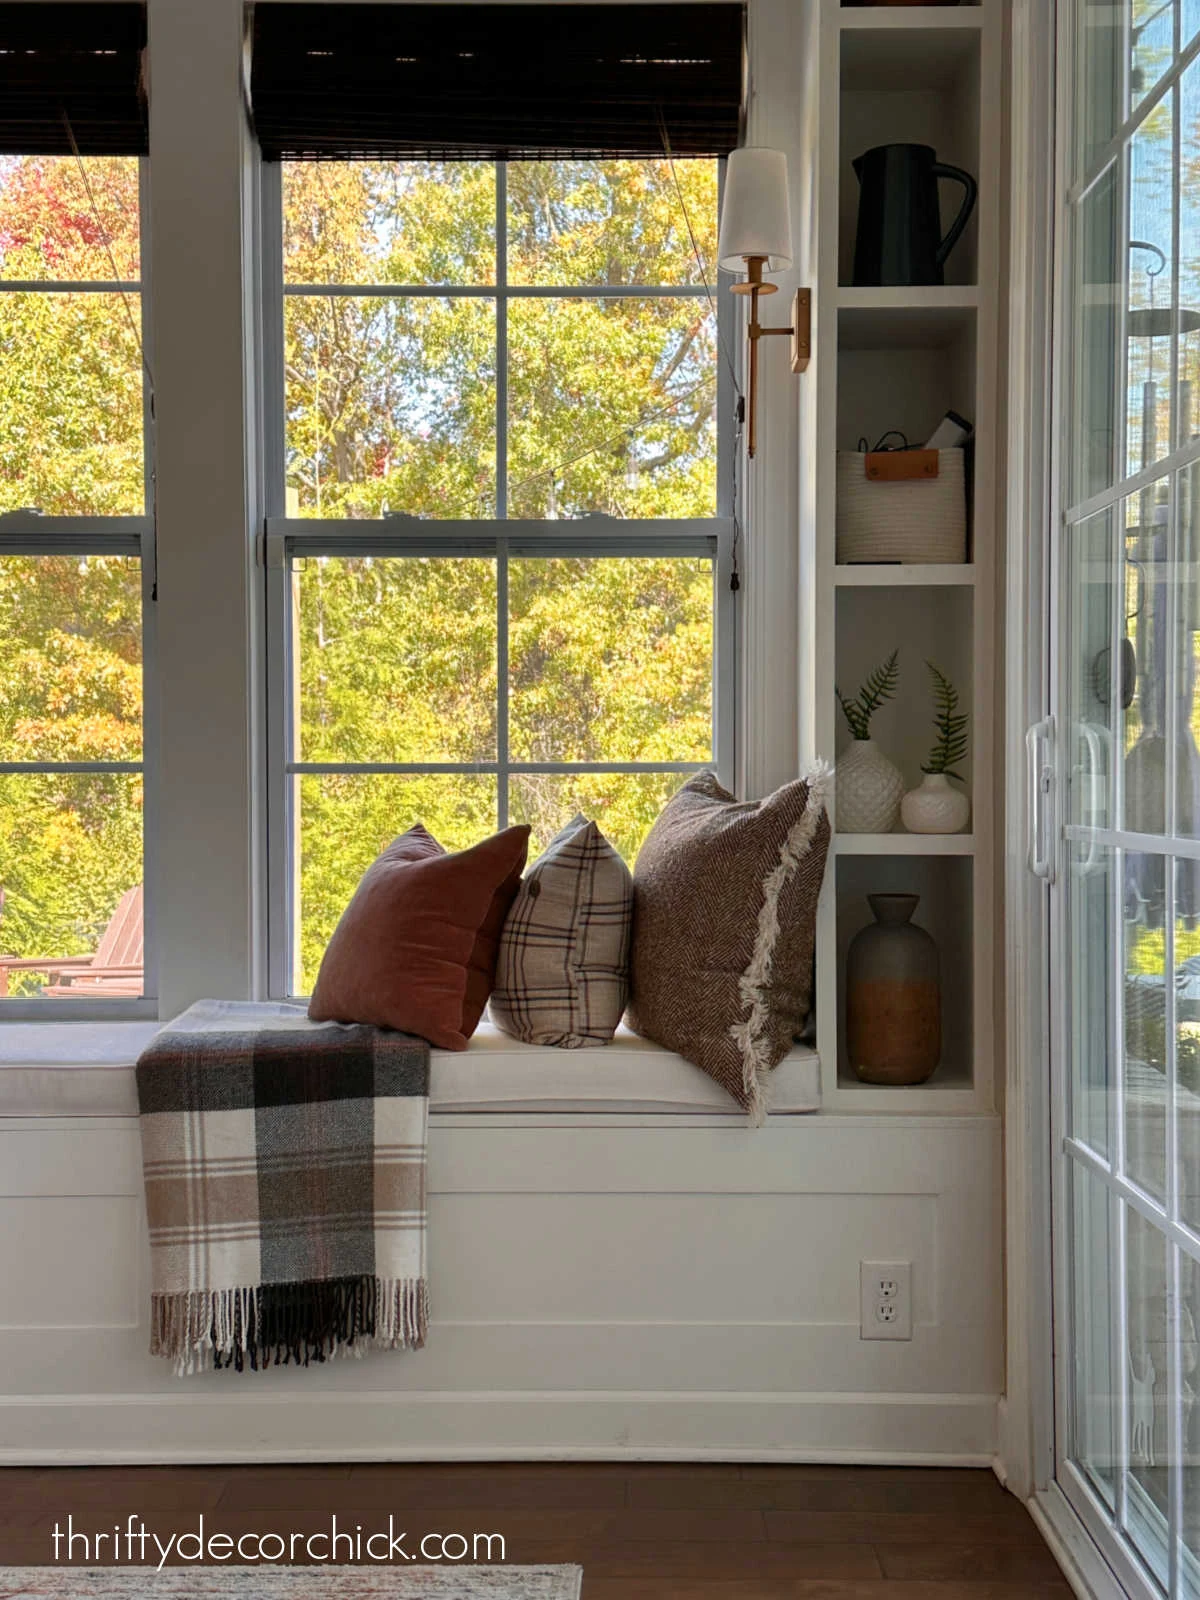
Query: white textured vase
[935, 807]
[868, 790]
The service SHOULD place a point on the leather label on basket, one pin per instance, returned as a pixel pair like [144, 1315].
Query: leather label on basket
[901, 466]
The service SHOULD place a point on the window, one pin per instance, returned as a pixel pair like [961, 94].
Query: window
[74, 444]
[500, 543]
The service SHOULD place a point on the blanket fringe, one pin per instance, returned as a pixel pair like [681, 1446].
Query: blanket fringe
[275, 1325]
[749, 1034]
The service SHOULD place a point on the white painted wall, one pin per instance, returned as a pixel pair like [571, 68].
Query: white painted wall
[207, 585]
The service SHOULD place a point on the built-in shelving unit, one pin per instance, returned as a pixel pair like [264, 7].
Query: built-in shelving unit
[899, 358]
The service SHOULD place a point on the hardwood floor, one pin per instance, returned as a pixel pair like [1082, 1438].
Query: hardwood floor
[641, 1532]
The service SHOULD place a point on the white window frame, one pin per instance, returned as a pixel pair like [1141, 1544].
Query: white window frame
[27, 534]
[501, 537]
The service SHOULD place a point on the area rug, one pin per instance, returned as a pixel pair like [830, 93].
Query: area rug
[293, 1583]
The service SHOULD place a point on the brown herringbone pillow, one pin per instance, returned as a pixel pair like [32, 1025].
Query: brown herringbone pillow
[562, 971]
[724, 915]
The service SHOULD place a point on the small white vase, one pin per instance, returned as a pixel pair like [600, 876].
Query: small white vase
[935, 807]
[868, 790]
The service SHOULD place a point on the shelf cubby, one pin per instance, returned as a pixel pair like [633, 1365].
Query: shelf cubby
[913, 371]
[922, 623]
[911, 81]
[944, 885]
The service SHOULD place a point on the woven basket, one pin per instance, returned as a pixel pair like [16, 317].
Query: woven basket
[922, 520]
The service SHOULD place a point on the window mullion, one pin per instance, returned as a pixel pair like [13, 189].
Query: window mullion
[502, 752]
[501, 341]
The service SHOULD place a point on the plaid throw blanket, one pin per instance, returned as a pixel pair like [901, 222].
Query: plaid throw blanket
[284, 1164]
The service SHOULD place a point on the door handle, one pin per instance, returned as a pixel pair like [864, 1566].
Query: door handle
[1039, 738]
[1092, 775]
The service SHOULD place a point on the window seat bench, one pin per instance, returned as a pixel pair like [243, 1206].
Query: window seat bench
[86, 1069]
[620, 1265]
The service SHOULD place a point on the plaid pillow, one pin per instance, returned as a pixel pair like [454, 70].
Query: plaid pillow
[562, 974]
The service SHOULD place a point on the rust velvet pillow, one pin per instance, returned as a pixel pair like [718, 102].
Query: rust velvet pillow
[416, 947]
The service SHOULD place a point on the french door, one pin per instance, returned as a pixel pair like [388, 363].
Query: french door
[1125, 581]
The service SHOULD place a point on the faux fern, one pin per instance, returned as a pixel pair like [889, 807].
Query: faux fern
[951, 725]
[880, 686]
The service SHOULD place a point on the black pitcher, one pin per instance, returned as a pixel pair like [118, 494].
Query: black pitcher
[899, 237]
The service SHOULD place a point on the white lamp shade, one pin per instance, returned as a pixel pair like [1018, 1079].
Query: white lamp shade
[755, 217]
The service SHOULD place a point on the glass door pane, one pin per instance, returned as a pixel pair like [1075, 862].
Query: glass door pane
[1127, 708]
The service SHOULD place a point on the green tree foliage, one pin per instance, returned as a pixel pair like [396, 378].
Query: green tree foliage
[70, 368]
[390, 407]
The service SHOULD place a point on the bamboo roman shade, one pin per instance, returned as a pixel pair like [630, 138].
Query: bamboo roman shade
[522, 82]
[78, 63]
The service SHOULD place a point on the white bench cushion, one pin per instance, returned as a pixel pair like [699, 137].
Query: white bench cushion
[78, 1069]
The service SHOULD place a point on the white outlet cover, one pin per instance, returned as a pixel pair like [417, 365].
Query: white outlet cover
[886, 1293]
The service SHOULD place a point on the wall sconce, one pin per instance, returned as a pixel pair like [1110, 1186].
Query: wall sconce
[756, 237]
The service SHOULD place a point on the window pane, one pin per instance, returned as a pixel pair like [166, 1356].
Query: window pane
[612, 408]
[1099, 270]
[70, 852]
[1089, 944]
[1188, 422]
[1152, 45]
[391, 406]
[343, 821]
[411, 222]
[1094, 1368]
[70, 659]
[397, 658]
[1140, 681]
[70, 404]
[1187, 1050]
[1145, 1107]
[1151, 283]
[610, 658]
[50, 227]
[1182, 584]
[1098, 101]
[1150, 1311]
[624, 804]
[611, 222]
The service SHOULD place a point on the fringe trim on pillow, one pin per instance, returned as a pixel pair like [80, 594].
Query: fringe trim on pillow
[276, 1325]
[750, 1034]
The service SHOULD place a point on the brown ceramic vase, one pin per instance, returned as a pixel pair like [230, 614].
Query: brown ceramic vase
[893, 996]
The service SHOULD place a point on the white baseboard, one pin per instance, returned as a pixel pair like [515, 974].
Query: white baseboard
[938, 1430]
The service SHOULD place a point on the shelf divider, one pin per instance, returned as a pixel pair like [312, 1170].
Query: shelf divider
[909, 19]
[906, 575]
[903, 844]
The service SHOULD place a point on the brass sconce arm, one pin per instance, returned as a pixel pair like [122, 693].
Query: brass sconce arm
[799, 330]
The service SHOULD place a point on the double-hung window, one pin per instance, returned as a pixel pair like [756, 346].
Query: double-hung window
[76, 544]
[500, 536]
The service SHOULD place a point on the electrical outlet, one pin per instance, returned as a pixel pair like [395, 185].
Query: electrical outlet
[886, 1290]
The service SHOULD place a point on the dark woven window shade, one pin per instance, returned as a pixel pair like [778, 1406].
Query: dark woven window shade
[82, 60]
[523, 82]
